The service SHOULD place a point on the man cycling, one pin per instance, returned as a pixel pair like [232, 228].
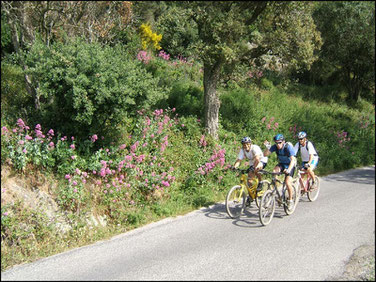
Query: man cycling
[309, 155]
[286, 157]
[256, 158]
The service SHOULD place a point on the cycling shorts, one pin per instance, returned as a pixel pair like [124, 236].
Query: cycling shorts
[286, 166]
[313, 164]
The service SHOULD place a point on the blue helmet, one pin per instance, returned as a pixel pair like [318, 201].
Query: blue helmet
[246, 140]
[279, 137]
[302, 134]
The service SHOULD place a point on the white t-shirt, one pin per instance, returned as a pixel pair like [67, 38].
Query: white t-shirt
[306, 150]
[254, 151]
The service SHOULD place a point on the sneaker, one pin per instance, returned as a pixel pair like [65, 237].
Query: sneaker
[290, 204]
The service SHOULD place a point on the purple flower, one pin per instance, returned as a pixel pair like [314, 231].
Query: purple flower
[50, 132]
[94, 138]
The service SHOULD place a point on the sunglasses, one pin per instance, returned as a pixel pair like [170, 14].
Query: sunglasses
[300, 138]
[278, 142]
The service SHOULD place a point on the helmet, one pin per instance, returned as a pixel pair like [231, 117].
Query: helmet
[246, 140]
[302, 134]
[279, 137]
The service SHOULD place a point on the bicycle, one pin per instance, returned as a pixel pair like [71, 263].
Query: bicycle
[305, 185]
[273, 195]
[238, 195]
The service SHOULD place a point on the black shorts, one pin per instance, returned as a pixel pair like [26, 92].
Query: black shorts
[285, 166]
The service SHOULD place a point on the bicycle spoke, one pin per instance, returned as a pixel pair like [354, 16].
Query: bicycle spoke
[235, 201]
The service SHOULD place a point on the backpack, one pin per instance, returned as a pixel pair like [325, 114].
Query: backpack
[317, 152]
[284, 149]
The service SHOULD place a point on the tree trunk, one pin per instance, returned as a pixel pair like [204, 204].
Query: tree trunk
[17, 41]
[212, 103]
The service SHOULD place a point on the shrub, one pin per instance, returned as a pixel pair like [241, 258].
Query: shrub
[88, 89]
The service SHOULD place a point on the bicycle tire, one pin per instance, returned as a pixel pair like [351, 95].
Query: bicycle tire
[312, 194]
[286, 197]
[265, 185]
[267, 207]
[235, 201]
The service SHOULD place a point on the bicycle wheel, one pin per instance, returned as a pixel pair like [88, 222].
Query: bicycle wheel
[285, 194]
[265, 185]
[267, 207]
[313, 191]
[296, 185]
[235, 201]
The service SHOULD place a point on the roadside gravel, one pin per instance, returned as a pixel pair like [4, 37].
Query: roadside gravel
[360, 267]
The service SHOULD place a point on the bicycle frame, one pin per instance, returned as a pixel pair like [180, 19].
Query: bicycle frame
[244, 184]
[304, 181]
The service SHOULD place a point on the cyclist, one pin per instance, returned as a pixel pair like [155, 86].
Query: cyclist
[309, 155]
[286, 161]
[256, 158]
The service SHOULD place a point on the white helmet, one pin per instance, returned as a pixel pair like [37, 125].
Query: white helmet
[302, 135]
[246, 140]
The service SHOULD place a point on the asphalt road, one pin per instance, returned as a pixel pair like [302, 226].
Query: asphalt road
[314, 243]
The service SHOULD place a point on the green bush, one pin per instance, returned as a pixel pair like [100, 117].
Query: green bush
[15, 100]
[89, 89]
[187, 98]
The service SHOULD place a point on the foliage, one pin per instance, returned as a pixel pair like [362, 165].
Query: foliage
[88, 89]
[55, 21]
[179, 32]
[6, 36]
[348, 28]
[245, 31]
[187, 97]
[15, 101]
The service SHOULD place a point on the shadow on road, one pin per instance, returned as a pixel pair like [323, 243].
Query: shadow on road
[362, 176]
[250, 217]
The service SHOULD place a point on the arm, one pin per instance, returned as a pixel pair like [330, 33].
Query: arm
[292, 163]
[237, 163]
[267, 151]
[256, 160]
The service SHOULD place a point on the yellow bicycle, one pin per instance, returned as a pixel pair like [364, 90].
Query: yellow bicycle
[238, 196]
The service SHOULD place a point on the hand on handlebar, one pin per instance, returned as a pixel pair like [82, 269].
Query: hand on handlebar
[286, 171]
[232, 168]
[307, 165]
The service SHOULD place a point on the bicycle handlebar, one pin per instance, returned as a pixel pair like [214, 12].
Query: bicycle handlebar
[270, 172]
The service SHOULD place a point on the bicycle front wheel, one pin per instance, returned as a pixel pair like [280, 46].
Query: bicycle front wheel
[235, 201]
[295, 199]
[267, 207]
[314, 190]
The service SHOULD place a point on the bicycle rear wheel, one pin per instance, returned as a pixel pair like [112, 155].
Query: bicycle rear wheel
[267, 207]
[235, 201]
[314, 190]
[265, 185]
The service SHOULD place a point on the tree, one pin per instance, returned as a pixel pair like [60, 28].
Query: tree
[232, 32]
[348, 30]
[57, 20]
